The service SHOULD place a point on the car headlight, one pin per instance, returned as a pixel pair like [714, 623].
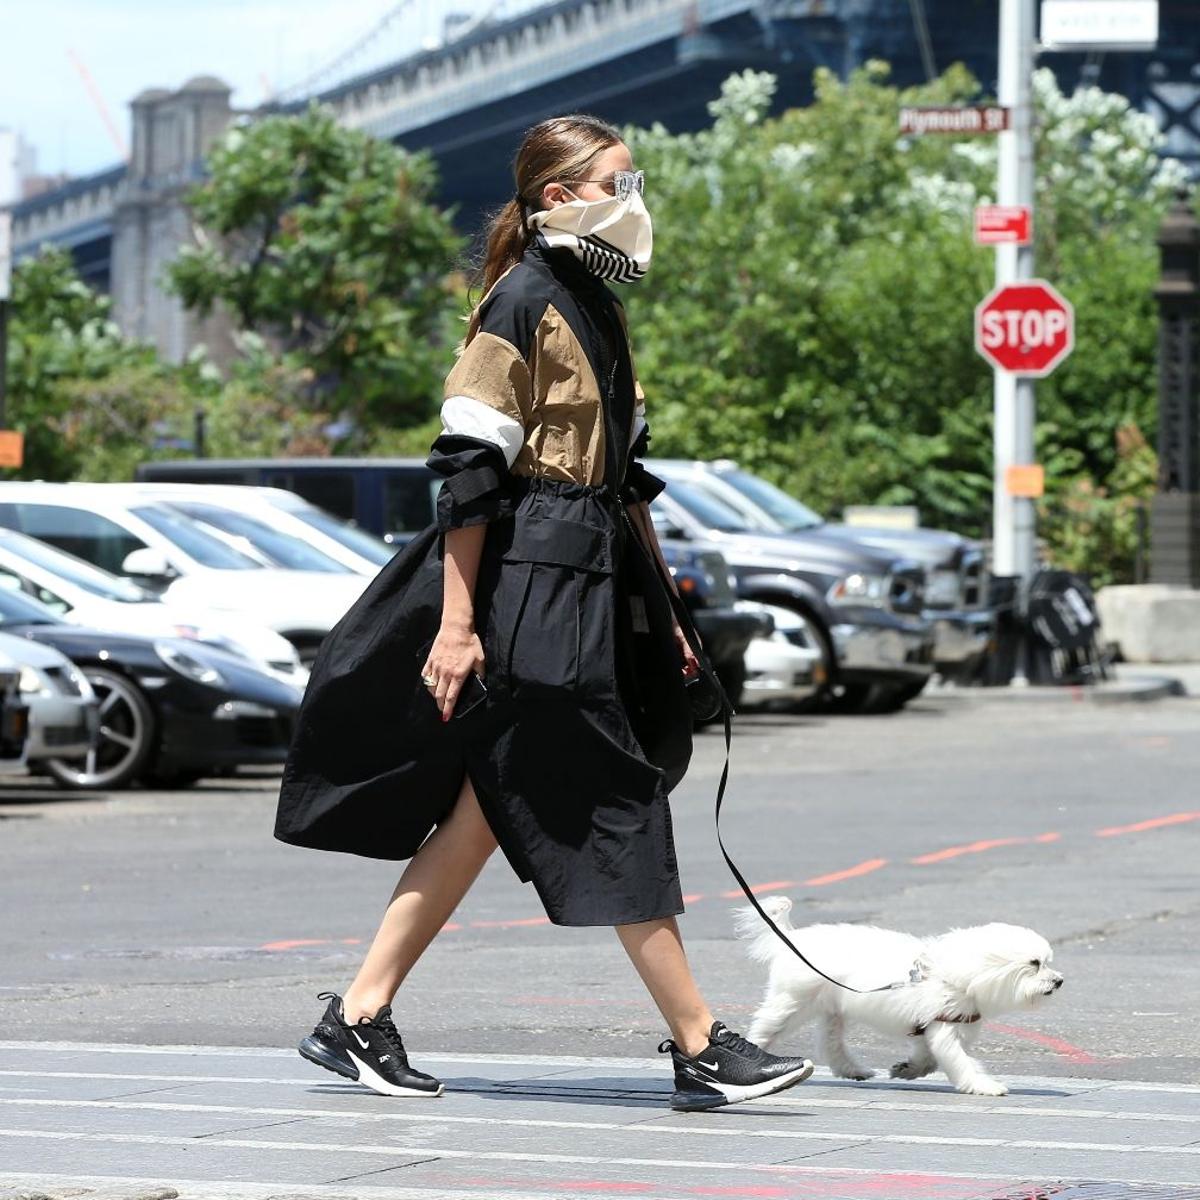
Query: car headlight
[860, 588]
[32, 683]
[190, 666]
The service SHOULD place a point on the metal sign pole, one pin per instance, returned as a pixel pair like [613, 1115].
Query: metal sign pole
[1013, 517]
[5, 284]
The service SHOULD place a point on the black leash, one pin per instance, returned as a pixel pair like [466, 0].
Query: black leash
[725, 713]
[710, 674]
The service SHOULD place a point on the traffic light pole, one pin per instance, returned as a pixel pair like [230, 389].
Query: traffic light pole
[1013, 518]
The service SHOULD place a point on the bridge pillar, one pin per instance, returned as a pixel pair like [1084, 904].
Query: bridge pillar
[172, 131]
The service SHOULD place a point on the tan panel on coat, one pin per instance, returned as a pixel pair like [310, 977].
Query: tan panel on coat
[492, 371]
[567, 433]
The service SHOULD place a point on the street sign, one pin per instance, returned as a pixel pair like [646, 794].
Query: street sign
[961, 119]
[1025, 328]
[5, 254]
[12, 448]
[1099, 24]
[1000, 224]
[1027, 481]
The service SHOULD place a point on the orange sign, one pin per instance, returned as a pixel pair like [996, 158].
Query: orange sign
[1027, 481]
[12, 448]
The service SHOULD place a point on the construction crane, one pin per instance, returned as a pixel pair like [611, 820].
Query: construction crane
[97, 100]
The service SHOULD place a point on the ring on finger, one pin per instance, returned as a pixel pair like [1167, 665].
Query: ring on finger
[429, 680]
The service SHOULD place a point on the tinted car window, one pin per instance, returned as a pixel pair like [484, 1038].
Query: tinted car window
[777, 504]
[280, 548]
[75, 570]
[373, 549]
[85, 534]
[205, 548]
[705, 507]
[17, 609]
[409, 499]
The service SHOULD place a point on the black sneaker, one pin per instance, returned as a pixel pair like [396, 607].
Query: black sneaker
[730, 1070]
[369, 1051]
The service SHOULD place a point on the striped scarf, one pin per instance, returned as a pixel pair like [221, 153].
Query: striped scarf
[612, 238]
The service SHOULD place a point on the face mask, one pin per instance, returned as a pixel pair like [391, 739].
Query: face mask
[612, 238]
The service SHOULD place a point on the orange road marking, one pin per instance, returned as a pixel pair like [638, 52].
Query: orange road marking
[1154, 823]
[979, 847]
[692, 897]
[294, 943]
[863, 868]
[1075, 1054]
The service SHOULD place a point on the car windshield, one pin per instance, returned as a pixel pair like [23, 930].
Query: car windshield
[281, 548]
[706, 508]
[74, 570]
[786, 511]
[203, 547]
[19, 609]
[372, 548]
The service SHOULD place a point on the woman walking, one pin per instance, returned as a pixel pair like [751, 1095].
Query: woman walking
[519, 674]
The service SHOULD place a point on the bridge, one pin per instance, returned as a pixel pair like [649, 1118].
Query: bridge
[630, 61]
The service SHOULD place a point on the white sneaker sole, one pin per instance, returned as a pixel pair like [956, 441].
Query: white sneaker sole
[732, 1094]
[377, 1083]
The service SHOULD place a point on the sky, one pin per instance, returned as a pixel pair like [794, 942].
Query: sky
[129, 45]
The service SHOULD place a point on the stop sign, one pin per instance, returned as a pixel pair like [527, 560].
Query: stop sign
[1026, 328]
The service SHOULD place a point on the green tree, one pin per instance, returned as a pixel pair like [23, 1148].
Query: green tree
[325, 242]
[80, 393]
[810, 310]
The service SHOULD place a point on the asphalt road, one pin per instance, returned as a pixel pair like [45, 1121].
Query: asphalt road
[145, 920]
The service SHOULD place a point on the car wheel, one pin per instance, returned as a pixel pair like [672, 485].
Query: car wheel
[875, 699]
[124, 742]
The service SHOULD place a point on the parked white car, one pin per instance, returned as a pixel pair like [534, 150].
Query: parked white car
[283, 512]
[785, 667]
[63, 710]
[120, 530]
[87, 595]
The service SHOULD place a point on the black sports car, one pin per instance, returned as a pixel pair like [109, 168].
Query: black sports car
[171, 711]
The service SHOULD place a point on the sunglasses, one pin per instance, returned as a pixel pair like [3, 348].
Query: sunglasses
[622, 184]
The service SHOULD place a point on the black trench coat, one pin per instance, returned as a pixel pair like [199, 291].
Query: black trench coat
[586, 727]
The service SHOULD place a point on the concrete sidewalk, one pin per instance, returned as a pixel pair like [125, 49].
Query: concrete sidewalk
[205, 1122]
[1130, 683]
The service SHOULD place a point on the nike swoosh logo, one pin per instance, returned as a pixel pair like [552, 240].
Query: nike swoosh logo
[364, 1045]
[710, 1066]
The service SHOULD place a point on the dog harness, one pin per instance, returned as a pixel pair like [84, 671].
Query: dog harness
[957, 1019]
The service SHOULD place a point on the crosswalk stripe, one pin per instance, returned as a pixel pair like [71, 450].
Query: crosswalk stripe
[804, 1100]
[806, 1135]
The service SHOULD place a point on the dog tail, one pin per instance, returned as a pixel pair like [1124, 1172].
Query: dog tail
[749, 925]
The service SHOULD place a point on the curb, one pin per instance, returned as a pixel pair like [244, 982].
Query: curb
[1140, 690]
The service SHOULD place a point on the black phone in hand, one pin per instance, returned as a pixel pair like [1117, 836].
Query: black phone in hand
[472, 694]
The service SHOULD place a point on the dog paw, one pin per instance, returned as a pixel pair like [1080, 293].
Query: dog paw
[985, 1087]
[905, 1070]
[858, 1074]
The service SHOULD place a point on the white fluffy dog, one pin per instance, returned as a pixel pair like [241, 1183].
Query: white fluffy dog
[951, 983]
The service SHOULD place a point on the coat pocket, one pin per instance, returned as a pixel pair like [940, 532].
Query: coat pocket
[556, 581]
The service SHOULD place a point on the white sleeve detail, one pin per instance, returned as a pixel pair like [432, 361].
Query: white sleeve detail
[639, 422]
[473, 418]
